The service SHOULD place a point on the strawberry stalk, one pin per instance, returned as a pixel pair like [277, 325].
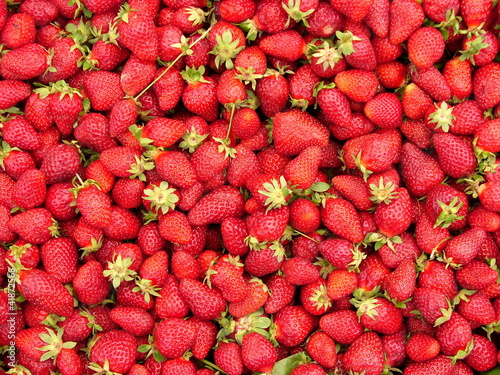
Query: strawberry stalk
[182, 54]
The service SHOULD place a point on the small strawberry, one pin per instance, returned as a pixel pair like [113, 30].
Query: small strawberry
[119, 358]
[422, 347]
[292, 325]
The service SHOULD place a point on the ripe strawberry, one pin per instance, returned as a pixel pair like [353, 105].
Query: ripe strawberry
[415, 102]
[272, 91]
[89, 283]
[394, 218]
[436, 275]
[136, 75]
[477, 308]
[432, 304]
[35, 59]
[293, 325]
[45, 290]
[94, 205]
[19, 30]
[174, 336]
[304, 215]
[358, 85]
[464, 161]
[425, 47]
[365, 355]
[18, 132]
[93, 132]
[438, 365]
[60, 258]
[447, 207]
[340, 283]
[487, 138]
[475, 13]
[30, 190]
[138, 34]
[475, 276]
[356, 10]
[205, 303]
[422, 347]
[454, 335]
[458, 74]
[227, 277]
[117, 348]
[463, 248]
[133, 320]
[65, 62]
[420, 171]
[22, 252]
[124, 224]
[256, 298]
[341, 218]
[432, 82]
[299, 271]
[401, 283]
[216, 206]
[406, 16]
[484, 85]
[281, 293]
[12, 92]
[270, 45]
[199, 96]
[271, 17]
[60, 164]
[267, 225]
[35, 225]
[288, 125]
[103, 89]
[430, 239]
[170, 304]
[258, 353]
[227, 356]
[379, 315]
[483, 355]
[206, 338]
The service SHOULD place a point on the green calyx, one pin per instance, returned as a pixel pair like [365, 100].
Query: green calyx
[449, 213]
[294, 13]
[193, 75]
[119, 271]
[101, 370]
[146, 288]
[383, 193]
[60, 87]
[54, 344]
[378, 240]
[192, 140]
[327, 56]
[442, 117]
[345, 42]
[17, 251]
[248, 76]
[162, 197]
[320, 298]
[95, 244]
[473, 47]
[226, 49]
[277, 193]
[140, 166]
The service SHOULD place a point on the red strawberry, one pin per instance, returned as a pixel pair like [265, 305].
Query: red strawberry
[422, 347]
[356, 10]
[103, 89]
[12, 92]
[335, 107]
[463, 248]
[60, 258]
[271, 45]
[138, 33]
[199, 96]
[425, 47]
[432, 82]
[281, 293]
[341, 218]
[419, 170]
[117, 348]
[19, 30]
[365, 355]
[174, 336]
[272, 91]
[406, 16]
[30, 190]
[256, 298]
[438, 365]
[475, 13]
[293, 325]
[46, 291]
[89, 283]
[258, 353]
[483, 355]
[133, 320]
[205, 303]
[35, 225]
[35, 59]
[288, 128]
[454, 335]
[227, 356]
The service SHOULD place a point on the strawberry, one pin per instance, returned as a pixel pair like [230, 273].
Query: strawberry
[30, 190]
[138, 34]
[13, 91]
[255, 298]
[475, 276]
[484, 85]
[35, 59]
[304, 215]
[477, 308]
[419, 170]
[401, 283]
[267, 225]
[415, 102]
[60, 164]
[475, 13]
[271, 17]
[422, 347]
[286, 127]
[136, 75]
[205, 303]
[94, 205]
[372, 272]
[425, 47]
[18, 132]
[202, 90]
[432, 304]
[349, 227]
[377, 18]
[483, 355]
[351, 81]
[299, 271]
[227, 277]
[308, 368]
[174, 227]
[205, 340]
[281, 293]
[124, 224]
[438, 365]
[89, 284]
[65, 62]
[227, 356]
[226, 41]
[119, 358]
[406, 16]
[446, 206]
[60, 258]
[464, 161]
[19, 30]
[432, 81]
[270, 45]
[133, 320]
[272, 91]
[454, 335]
[487, 138]
[35, 225]
[355, 11]
[170, 304]
[394, 218]
[301, 87]
[258, 353]
[365, 355]
[321, 348]
[103, 89]
[430, 238]
[214, 207]
[458, 74]
[293, 324]
[174, 336]
[22, 252]
[45, 290]
[379, 315]
[340, 283]
[301, 171]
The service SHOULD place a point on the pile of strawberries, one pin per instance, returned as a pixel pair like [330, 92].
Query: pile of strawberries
[281, 187]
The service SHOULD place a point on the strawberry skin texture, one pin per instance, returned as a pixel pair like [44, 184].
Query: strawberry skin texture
[290, 129]
[365, 355]
[45, 290]
[174, 336]
[117, 347]
[341, 218]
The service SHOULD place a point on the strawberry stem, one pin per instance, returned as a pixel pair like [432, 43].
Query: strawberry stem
[184, 52]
